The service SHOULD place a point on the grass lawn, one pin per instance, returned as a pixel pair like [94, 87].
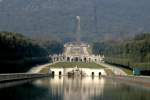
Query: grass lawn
[45, 70]
[109, 72]
[73, 64]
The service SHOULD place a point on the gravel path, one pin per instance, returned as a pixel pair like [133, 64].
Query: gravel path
[37, 69]
[85, 51]
[115, 70]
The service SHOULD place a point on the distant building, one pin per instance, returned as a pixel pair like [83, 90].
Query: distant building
[77, 52]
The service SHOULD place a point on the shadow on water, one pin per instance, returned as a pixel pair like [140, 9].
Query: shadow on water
[26, 91]
[119, 91]
[14, 83]
[76, 88]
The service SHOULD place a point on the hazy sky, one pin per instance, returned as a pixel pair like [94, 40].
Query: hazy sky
[54, 17]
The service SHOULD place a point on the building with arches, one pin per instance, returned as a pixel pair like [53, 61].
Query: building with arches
[76, 52]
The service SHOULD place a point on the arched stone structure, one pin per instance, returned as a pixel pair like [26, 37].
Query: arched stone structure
[68, 58]
[84, 71]
[76, 59]
[89, 58]
[84, 59]
[79, 53]
[72, 60]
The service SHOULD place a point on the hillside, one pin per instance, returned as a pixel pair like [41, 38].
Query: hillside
[101, 19]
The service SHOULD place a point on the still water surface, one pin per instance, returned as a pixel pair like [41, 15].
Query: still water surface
[64, 88]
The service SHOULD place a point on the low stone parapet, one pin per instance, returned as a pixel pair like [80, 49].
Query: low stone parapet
[20, 76]
[85, 71]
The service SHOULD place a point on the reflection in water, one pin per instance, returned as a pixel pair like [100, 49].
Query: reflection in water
[64, 88]
[14, 83]
[75, 88]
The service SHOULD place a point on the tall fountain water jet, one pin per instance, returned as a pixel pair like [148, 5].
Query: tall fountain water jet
[78, 29]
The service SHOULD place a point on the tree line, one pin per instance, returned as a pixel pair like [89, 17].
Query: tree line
[132, 53]
[19, 53]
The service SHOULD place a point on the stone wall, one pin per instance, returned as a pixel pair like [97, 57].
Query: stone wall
[20, 76]
[86, 71]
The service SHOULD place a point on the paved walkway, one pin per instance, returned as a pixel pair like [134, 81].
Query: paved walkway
[85, 51]
[37, 69]
[76, 50]
[115, 70]
[67, 51]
